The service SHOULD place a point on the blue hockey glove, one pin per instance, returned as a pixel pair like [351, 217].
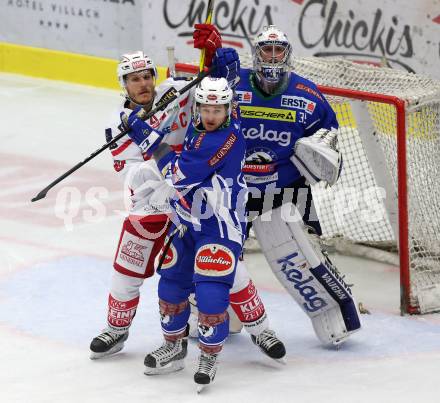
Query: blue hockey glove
[227, 65]
[141, 132]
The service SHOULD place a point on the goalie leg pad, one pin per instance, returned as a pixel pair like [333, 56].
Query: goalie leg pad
[307, 274]
[340, 292]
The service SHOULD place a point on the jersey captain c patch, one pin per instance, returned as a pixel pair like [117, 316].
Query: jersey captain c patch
[258, 112]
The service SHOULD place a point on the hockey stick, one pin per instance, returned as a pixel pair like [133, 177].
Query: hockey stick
[171, 236]
[171, 95]
[209, 13]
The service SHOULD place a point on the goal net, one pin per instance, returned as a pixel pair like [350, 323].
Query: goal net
[388, 195]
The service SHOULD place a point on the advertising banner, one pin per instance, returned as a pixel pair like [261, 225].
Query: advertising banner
[103, 28]
[404, 32]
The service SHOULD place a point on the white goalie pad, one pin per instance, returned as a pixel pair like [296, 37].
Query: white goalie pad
[307, 274]
[317, 158]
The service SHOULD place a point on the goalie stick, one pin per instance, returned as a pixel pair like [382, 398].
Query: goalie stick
[172, 95]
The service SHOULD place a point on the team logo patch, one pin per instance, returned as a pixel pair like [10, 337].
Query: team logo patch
[166, 319]
[253, 112]
[260, 155]
[244, 97]
[170, 257]
[134, 253]
[301, 103]
[214, 260]
[212, 97]
[119, 165]
[206, 331]
[139, 64]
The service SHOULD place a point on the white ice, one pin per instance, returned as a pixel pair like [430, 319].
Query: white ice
[54, 283]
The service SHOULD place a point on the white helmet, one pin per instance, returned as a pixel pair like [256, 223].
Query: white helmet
[212, 91]
[270, 67]
[131, 63]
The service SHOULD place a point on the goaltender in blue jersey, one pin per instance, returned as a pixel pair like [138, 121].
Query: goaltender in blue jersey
[291, 142]
[272, 124]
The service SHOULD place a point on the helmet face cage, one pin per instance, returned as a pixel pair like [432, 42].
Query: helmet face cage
[212, 91]
[133, 63]
[271, 56]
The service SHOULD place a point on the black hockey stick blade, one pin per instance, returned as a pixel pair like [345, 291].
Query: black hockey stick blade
[169, 97]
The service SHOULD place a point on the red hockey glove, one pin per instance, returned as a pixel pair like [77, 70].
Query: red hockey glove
[206, 36]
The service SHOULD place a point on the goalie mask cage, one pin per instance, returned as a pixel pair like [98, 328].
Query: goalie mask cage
[389, 189]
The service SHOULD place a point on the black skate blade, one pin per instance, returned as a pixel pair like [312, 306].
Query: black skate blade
[112, 351]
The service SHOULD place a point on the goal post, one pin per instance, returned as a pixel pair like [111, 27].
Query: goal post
[402, 200]
[389, 189]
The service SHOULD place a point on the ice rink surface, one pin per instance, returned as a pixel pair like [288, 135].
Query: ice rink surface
[55, 264]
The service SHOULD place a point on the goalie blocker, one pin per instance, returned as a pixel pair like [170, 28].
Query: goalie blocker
[307, 274]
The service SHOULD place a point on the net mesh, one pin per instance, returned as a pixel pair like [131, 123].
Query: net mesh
[355, 209]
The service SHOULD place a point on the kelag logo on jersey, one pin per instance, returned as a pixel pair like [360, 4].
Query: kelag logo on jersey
[244, 97]
[282, 138]
[304, 104]
[258, 112]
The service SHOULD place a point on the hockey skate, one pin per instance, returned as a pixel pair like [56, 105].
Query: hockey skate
[107, 343]
[207, 367]
[167, 358]
[270, 345]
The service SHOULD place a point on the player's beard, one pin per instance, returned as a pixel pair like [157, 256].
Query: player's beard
[147, 106]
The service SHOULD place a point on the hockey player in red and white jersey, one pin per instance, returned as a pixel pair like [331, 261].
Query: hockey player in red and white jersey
[144, 230]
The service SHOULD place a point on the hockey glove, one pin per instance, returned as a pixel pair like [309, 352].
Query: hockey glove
[317, 157]
[141, 132]
[206, 36]
[227, 65]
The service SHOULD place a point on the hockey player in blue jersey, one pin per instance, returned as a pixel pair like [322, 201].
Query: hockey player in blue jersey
[291, 135]
[144, 230]
[206, 242]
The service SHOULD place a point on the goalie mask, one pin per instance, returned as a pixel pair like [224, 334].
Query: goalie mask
[212, 91]
[271, 59]
[134, 63]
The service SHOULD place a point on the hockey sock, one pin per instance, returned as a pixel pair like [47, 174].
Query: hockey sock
[250, 309]
[174, 319]
[212, 301]
[121, 314]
